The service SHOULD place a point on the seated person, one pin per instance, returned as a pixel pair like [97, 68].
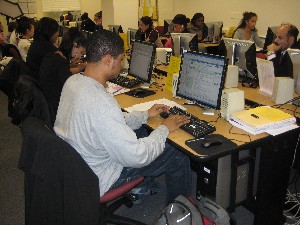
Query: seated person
[197, 26]
[286, 37]
[44, 41]
[179, 26]
[58, 66]
[7, 50]
[25, 30]
[246, 29]
[98, 21]
[147, 32]
[92, 121]
[87, 24]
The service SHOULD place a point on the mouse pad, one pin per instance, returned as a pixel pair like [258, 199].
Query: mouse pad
[226, 145]
[140, 93]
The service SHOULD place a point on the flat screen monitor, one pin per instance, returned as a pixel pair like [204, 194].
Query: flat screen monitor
[142, 60]
[270, 37]
[168, 26]
[295, 57]
[214, 33]
[243, 54]
[182, 42]
[131, 32]
[201, 78]
[115, 28]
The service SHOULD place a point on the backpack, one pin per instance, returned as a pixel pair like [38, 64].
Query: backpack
[185, 211]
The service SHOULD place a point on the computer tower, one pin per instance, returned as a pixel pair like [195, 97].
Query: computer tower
[214, 177]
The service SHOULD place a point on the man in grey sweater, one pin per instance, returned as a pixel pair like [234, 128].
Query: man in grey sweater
[91, 120]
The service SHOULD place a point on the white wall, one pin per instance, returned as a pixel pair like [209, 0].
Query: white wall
[270, 12]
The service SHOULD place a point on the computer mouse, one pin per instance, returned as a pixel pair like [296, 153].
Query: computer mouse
[210, 142]
[138, 92]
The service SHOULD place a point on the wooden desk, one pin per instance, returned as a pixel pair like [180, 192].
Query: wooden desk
[267, 184]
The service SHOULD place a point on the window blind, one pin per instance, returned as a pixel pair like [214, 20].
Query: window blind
[59, 5]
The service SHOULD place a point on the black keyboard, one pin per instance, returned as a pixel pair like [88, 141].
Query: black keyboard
[196, 127]
[126, 82]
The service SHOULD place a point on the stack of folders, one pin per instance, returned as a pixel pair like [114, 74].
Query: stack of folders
[262, 119]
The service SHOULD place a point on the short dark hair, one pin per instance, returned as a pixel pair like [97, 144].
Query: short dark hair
[101, 43]
[196, 17]
[73, 35]
[45, 28]
[292, 31]
[147, 20]
[181, 19]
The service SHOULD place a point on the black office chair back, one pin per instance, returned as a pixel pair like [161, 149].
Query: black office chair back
[60, 188]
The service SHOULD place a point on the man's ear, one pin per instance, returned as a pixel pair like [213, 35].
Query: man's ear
[291, 40]
[108, 60]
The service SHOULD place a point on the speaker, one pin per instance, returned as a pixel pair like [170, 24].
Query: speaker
[232, 101]
[174, 84]
[232, 76]
[283, 90]
[161, 56]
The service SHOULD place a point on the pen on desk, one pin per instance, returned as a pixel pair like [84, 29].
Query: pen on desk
[255, 116]
[115, 92]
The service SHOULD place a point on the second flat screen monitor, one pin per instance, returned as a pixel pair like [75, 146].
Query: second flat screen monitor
[142, 60]
[201, 78]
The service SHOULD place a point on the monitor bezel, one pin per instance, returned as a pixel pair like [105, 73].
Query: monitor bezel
[129, 31]
[231, 42]
[222, 84]
[178, 54]
[270, 30]
[295, 53]
[116, 28]
[150, 70]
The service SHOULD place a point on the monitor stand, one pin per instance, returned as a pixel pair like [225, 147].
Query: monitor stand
[145, 85]
[206, 110]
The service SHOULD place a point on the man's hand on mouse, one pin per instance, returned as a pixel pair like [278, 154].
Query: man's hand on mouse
[173, 122]
[156, 109]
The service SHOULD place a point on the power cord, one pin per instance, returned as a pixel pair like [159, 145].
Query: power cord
[238, 134]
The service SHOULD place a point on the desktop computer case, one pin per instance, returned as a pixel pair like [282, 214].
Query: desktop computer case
[214, 178]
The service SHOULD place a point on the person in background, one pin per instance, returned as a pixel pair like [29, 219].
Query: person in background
[45, 38]
[91, 120]
[87, 24]
[180, 22]
[286, 37]
[58, 66]
[147, 32]
[197, 26]
[25, 30]
[246, 29]
[7, 50]
[98, 20]
[11, 28]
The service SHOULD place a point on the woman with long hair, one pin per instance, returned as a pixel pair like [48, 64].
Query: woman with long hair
[45, 38]
[246, 29]
[58, 66]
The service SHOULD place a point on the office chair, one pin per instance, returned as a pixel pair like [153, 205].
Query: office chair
[60, 188]
[230, 32]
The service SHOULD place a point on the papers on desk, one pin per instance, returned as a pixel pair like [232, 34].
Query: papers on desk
[147, 105]
[266, 77]
[263, 119]
[115, 89]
